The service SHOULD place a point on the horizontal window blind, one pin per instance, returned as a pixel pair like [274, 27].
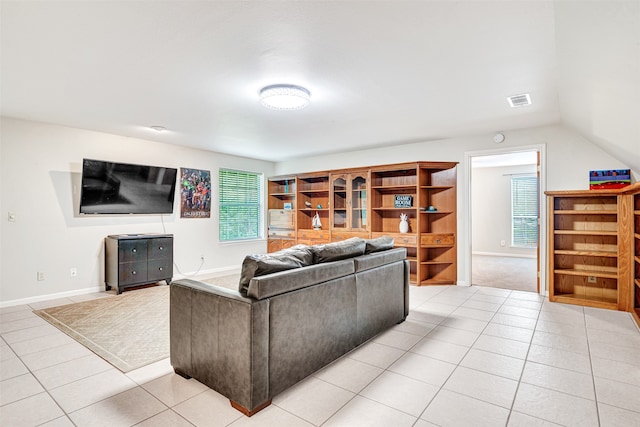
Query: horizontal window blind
[524, 205]
[240, 207]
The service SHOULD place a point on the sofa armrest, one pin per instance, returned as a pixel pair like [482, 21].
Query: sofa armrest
[221, 339]
[213, 289]
[407, 278]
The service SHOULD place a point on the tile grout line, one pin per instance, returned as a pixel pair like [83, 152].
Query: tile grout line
[593, 377]
[526, 356]
[461, 359]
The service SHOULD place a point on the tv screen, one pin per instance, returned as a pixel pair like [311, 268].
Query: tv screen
[122, 188]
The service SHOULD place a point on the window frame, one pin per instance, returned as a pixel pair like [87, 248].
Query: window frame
[257, 204]
[523, 241]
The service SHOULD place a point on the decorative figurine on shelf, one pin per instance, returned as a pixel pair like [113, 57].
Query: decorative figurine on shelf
[315, 222]
[404, 223]
[307, 204]
[319, 206]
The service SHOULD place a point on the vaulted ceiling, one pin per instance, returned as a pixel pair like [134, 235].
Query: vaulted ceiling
[379, 73]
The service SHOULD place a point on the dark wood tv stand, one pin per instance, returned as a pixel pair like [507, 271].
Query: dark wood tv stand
[137, 259]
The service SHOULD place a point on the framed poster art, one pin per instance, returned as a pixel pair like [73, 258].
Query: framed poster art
[609, 179]
[195, 193]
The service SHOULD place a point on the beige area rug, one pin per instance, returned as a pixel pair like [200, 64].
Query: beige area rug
[129, 330]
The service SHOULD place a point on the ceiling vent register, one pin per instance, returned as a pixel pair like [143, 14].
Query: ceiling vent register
[519, 100]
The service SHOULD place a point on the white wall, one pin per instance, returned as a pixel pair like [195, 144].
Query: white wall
[598, 73]
[39, 180]
[491, 210]
[41, 165]
[569, 158]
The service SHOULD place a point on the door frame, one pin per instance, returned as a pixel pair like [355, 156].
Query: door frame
[542, 208]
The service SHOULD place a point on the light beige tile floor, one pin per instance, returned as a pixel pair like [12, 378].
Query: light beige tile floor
[466, 356]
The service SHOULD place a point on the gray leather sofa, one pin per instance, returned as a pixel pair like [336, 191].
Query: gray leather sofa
[280, 327]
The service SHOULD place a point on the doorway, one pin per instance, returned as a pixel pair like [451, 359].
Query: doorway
[505, 220]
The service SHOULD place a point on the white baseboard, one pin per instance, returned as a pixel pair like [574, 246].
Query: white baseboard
[210, 274]
[207, 274]
[47, 297]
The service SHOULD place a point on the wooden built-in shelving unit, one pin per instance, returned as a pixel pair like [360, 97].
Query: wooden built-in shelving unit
[635, 294]
[361, 202]
[313, 191]
[594, 248]
[281, 233]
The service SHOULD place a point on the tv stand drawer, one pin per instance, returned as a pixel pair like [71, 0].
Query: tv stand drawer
[137, 259]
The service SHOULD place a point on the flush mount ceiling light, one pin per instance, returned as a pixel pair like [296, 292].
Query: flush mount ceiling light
[158, 128]
[285, 97]
[519, 100]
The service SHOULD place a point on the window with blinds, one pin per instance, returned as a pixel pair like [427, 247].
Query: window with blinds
[524, 211]
[240, 205]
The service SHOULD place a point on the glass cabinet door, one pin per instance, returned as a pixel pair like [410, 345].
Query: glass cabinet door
[359, 202]
[339, 208]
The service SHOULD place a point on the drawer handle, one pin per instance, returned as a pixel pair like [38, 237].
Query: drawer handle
[161, 248]
[160, 268]
[134, 250]
[134, 272]
[405, 240]
[437, 240]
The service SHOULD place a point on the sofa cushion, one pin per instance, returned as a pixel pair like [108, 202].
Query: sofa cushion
[336, 251]
[261, 264]
[286, 281]
[383, 243]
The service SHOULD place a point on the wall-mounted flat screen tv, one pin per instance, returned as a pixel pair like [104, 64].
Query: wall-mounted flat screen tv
[122, 188]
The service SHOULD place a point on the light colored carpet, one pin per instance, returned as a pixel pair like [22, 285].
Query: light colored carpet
[229, 282]
[504, 272]
[129, 330]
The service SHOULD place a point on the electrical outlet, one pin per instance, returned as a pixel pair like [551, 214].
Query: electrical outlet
[74, 272]
[40, 276]
[503, 243]
[592, 279]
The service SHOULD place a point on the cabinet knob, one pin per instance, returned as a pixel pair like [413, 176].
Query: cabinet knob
[160, 268]
[161, 248]
[134, 250]
[134, 272]
[437, 240]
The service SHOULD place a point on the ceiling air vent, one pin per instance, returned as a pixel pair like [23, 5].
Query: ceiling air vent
[519, 100]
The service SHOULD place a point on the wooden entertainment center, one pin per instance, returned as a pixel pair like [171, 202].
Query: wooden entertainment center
[368, 202]
[594, 248]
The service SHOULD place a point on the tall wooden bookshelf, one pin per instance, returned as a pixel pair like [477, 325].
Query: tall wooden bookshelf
[313, 198]
[431, 240]
[584, 249]
[594, 248]
[388, 182]
[367, 202]
[635, 294]
[438, 247]
[281, 214]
